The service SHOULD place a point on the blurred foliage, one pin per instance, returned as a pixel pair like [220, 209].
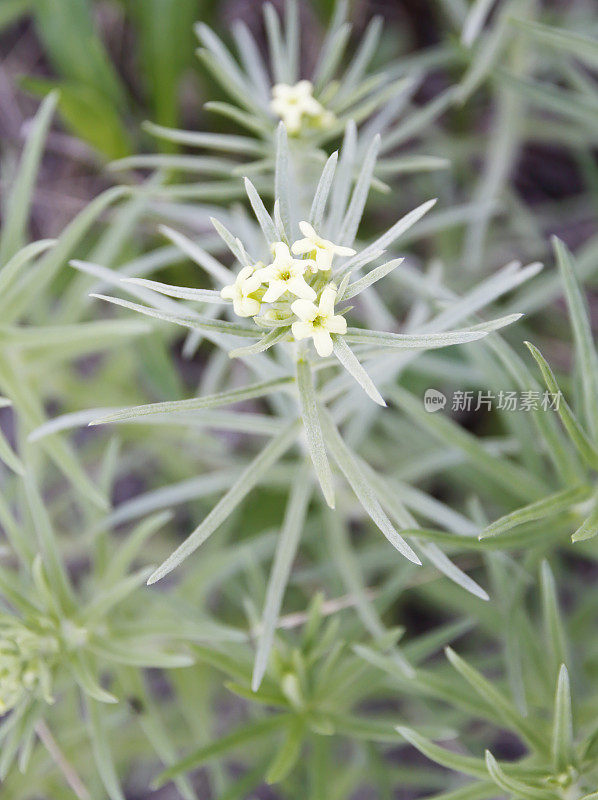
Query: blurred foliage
[496, 118]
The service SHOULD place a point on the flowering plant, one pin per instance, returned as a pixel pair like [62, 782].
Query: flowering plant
[326, 317]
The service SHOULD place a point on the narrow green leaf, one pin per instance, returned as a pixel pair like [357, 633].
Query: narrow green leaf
[576, 433]
[79, 665]
[16, 207]
[288, 754]
[181, 292]
[313, 430]
[362, 488]
[282, 180]
[547, 507]
[370, 278]
[96, 726]
[256, 729]
[350, 223]
[203, 259]
[211, 141]
[516, 480]
[554, 630]
[11, 269]
[242, 486]
[504, 707]
[263, 344]
[513, 786]
[9, 457]
[264, 219]
[196, 322]
[138, 653]
[318, 205]
[209, 401]
[353, 366]
[588, 528]
[286, 547]
[576, 44]
[468, 765]
[584, 343]
[562, 731]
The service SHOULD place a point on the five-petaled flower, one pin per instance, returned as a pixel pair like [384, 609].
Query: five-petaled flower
[319, 321]
[285, 274]
[324, 249]
[292, 103]
[242, 291]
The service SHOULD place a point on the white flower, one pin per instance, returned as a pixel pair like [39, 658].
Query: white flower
[318, 321]
[325, 250]
[285, 274]
[291, 103]
[241, 291]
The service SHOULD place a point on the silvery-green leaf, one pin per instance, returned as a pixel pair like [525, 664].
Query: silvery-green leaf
[364, 492]
[351, 363]
[249, 392]
[284, 555]
[313, 430]
[16, 208]
[318, 205]
[213, 141]
[181, 292]
[248, 479]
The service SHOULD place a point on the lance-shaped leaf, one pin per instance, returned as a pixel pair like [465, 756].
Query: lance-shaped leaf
[11, 270]
[181, 292]
[197, 323]
[248, 479]
[9, 457]
[353, 366]
[256, 729]
[468, 765]
[512, 477]
[318, 205]
[391, 235]
[196, 253]
[427, 341]
[79, 664]
[350, 223]
[588, 528]
[16, 208]
[584, 343]
[576, 433]
[283, 560]
[313, 430]
[554, 629]
[288, 754]
[547, 507]
[253, 390]
[96, 726]
[515, 787]
[368, 280]
[502, 705]
[259, 209]
[362, 488]
[562, 730]
[228, 143]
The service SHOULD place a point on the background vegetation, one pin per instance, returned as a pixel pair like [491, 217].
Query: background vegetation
[113, 689]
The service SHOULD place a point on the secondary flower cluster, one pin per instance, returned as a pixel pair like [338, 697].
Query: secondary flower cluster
[311, 313]
[296, 105]
[23, 667]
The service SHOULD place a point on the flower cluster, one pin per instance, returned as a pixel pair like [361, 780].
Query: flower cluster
[296, 289]
[296, 105]
[23, 667]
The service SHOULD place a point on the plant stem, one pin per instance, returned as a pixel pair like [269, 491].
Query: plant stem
[67, 769]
